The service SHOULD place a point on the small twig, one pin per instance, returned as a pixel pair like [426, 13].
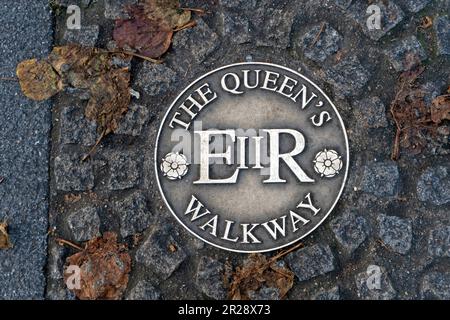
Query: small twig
[196, 10]
[322, 29]
[2, 179]
[157, 61]
[188, 25]
[285, 252]
[91, 152]
[9, 79]
[70, 244]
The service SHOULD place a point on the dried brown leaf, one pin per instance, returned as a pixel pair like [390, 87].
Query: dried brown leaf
[151, 26]
[426, 22]
[257, 272]
[38, 80]
[411, 115]
[168, 12]
[110, 96]
[105, 266]
[142, 34]
[440, 109]
[5, 243]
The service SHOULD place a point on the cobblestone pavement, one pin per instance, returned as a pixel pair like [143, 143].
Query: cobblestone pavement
[393, 216]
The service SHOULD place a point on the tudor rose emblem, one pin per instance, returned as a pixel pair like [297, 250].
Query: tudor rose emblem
[251, 157]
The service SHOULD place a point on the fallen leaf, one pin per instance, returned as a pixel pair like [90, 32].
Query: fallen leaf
[411, 115]
[38, 80]
[151, 26]
[257, 272]
[5, 243]
[110, 97]
[72, 198]
[142, 34]
[426, 22]
[92, 69]
[104, 266]
[168, 12]
[440, 109]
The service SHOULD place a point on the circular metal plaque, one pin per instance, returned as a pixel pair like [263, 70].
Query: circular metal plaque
[251, 157]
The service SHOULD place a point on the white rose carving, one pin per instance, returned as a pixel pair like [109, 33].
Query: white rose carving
[328, 163]
[174, 166]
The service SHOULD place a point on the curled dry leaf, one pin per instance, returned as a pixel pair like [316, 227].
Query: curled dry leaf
[38, 80]
[257, 272]
[440, 110]
[426, 22]
[5, 243]
[151, 26]
[411, 115]
[92, 69]
[104, 266]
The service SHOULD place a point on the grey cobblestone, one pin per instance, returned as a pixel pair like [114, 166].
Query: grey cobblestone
[395, 232]
[436, 285]
[391, 12]
[368, 289]
[84, 224]
[439, 242]
[134, 121]
[114, 9]
[143, 290]
[235, 27]
[274, 27]
[210, 278]
[311, 261]
[73, 175]
[414, 5]
[156, 255]
[442, 29]
[406, 54]
[371, 113]
[348, 77]
[319, 49]
[133, 213]
[331, 294]
[350, 230]
[434, 186]
[381, 179]
[86, 36]
[125, 171]
[155, 79]
[76, 129]
[185, 44]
